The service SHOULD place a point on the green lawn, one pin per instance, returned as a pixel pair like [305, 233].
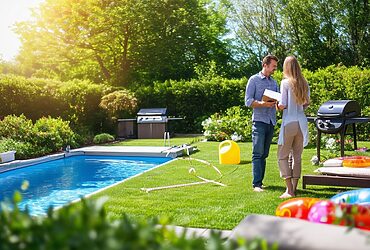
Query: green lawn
[208, 205]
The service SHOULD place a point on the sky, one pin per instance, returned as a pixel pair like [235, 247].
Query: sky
[12, 11]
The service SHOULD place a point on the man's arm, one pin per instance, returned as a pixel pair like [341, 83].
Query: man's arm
[262, 104]
[250, 100]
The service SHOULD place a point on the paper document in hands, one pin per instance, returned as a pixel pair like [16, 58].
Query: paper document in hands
[271, 96]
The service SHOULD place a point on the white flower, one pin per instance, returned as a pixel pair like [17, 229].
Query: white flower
[236, 137]
[330, 144]
[315, 160]
[206, 122]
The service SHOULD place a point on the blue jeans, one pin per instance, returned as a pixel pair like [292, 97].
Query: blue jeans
[262, 134]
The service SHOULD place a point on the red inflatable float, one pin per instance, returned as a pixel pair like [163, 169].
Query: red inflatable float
[296, 207]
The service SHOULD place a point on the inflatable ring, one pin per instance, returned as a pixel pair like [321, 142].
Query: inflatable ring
[295, 207]
[357, 204]
[356, 161]
[358, 196]
[344, 214]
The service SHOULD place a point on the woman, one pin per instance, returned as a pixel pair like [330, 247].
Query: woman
[295, 97]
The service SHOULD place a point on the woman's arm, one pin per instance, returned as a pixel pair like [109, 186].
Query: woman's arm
[284, 95]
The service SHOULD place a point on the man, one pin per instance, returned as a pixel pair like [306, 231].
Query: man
[263, 118]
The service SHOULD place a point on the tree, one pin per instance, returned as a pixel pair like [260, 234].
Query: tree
[319, 33]
[355, 19]
[311, 29]
[120, 41]
[259, 29]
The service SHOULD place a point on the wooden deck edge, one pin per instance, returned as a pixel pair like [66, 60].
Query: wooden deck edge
[332, 180]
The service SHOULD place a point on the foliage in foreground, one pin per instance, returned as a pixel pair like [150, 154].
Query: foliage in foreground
[88, 227]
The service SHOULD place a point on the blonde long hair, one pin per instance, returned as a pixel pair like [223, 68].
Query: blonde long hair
[292, 72]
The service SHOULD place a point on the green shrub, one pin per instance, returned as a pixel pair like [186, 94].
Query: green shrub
[18, 128]
[235, 124]
[84, 136]
[88, 227]
[119, 104]
[53, 134]
[103, 138]
[78, 101]
[47, 135]
[24, 150]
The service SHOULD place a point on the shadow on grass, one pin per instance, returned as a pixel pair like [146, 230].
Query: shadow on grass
[245, 162]
[279, 188]
[325, 193]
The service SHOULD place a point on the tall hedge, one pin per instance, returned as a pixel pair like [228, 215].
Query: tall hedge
[80, 101]
[19, 95]
[193, 100]
[341, 83]
[76, 101]
[197, 100]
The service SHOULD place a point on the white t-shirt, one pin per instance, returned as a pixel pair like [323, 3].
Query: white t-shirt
[292, 113]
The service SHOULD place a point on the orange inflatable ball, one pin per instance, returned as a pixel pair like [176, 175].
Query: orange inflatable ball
[296, 207]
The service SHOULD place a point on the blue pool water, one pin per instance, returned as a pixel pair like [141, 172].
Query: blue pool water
[58, 182]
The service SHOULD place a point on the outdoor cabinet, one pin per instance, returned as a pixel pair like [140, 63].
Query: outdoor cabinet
[127, 128]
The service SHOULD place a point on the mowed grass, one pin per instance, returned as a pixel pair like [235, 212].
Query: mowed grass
[206, 205]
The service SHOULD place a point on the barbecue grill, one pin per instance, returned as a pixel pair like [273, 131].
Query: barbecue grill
[334, 117]
[151, 122]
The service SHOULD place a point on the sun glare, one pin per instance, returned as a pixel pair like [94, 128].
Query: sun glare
[12, 11]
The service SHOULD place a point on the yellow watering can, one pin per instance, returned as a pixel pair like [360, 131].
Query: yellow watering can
[229, 152]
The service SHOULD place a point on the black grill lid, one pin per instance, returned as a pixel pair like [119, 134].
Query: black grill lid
[152, 111]
[339, 108]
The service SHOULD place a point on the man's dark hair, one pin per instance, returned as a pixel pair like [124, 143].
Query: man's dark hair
[267, 59]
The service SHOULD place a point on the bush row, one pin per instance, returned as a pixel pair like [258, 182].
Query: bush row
[331, 83]
[30, 139]
[91, 107]
[341, 83]
[87, 106]
[193, 100]
[235, 124]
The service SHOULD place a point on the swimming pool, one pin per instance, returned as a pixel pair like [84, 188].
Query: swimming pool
[59, 182]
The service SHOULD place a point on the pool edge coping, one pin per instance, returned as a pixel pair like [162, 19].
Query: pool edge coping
[144, 151]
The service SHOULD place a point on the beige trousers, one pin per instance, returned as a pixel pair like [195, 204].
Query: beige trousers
[293, 143]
